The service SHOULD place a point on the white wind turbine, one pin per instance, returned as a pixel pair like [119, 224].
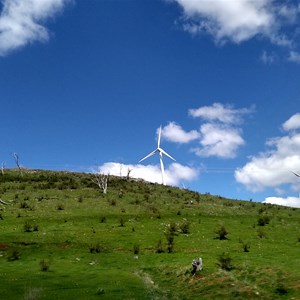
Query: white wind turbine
[160, 151]
[298, 175]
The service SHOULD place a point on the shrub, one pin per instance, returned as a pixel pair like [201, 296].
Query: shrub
[263, 220]
[246, 247]
[96, 248]
[122, 222]
[159, 247]
[13, 255]
[170, 235]
[60, 206]
[113, 202]
[136, 249]
[100, 291]
[185, 226]
[102, 219]
[221, 233]
[28, 227]
[24, 205]
[281, 288]
[44, 265]
[225, 262]
[261, 234]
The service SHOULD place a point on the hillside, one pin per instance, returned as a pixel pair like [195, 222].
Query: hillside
[62, 238]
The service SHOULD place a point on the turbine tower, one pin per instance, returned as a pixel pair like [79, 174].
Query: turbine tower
[161, 152]
[298, 175]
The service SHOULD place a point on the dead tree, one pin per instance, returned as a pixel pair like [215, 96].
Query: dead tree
[128, 174]
[2, 167]
[16, 158]
[101, 180]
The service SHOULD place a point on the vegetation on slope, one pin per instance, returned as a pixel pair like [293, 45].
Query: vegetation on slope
[61, 238]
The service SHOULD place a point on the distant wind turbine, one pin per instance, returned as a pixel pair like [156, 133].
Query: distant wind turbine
[161, 152]
[298, 175]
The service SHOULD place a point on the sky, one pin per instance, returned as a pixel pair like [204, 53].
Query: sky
[86, 84]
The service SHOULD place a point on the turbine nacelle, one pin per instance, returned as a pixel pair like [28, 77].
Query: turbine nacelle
[161, 153]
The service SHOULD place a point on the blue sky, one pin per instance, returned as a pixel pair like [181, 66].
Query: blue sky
[85, 85]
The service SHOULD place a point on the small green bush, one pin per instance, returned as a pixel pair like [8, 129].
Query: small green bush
[225, 262]
[281, 287]
[159, 247]
[60, 206]
[13, 255]
[170, 235]
[100, 291]
[221, 233]
[96, 248]
[261, 233]
[44, 265]
[263, 220]
[24, 205]
[28, 227]
[245, 247]
[122, 222]
[102, 219]
[184, 226]
[136, 249]
[113, 202]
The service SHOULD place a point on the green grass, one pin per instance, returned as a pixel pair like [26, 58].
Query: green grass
[86, 240]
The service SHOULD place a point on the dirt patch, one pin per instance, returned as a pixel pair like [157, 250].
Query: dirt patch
[64, 245]
[4, 246]
[196, 278]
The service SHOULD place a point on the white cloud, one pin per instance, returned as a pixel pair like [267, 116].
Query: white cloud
[289, 201]
[219, 140]
[20, 22]
[292, 123]
[294, 57]
[268, 58]
[241, 20]
[175, 173]
[234, 20]
[220, 112]
[272, 167]
[221, 135]
[174, 133]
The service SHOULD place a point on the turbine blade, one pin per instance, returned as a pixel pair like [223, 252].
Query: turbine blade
[298, 175]
[159, 136]
[150, 154]
[165, 153]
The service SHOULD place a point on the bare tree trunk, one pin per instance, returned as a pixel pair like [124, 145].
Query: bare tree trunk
[16, 158]
[2, 167]
[128, 174]
[101, 180]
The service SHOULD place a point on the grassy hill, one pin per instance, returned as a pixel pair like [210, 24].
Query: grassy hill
[61, 238]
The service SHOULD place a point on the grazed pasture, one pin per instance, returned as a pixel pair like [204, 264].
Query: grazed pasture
[61, 238]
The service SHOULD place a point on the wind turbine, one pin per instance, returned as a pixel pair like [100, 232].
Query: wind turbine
[298, 175]
[161, 152]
